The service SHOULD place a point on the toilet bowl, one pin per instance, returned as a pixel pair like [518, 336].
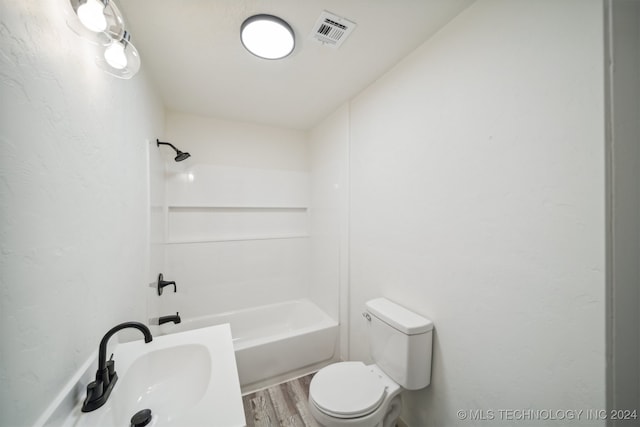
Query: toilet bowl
[353, 394]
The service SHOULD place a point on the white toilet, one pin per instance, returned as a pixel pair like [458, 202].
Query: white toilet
[356, 395]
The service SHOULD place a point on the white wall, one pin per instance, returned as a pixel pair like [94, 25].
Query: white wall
[221, 142]
[477, 200]
[73, 204]
[624, 292]
[238, 227]
[329, 216]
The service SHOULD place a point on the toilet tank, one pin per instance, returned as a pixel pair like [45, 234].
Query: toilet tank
[400, 342]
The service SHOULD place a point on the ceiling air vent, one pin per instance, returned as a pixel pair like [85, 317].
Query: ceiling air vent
[332, 30]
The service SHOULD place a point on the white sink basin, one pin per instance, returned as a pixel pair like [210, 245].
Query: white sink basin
[185, 379]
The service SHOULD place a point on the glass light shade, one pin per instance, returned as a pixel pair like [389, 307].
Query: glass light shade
[97, 21]
[115, 56]
[91, 15]
[267, 36]
[120, 58]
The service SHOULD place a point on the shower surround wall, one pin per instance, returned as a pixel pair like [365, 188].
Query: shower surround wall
[237, 216]
[73, 204]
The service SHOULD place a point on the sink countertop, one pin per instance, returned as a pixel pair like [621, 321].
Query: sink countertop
[221, 405]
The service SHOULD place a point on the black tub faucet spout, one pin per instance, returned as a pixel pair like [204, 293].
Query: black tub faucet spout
[98, 391]
[172, 318]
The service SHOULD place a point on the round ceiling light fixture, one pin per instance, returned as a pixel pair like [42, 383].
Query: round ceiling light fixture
[267, 36]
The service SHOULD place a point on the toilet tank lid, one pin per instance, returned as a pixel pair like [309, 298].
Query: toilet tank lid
[399, 317]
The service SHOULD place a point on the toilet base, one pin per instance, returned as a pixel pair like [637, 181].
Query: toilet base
[393, 414]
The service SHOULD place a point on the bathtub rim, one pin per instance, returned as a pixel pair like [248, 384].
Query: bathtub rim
[325, 321]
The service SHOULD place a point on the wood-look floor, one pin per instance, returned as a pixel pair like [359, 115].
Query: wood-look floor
[283, 405]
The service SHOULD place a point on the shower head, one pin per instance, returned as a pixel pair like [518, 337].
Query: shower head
[180, 155]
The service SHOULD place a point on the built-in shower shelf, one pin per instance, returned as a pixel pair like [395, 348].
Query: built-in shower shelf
[237, 239]
[208, 223]
[236, 208]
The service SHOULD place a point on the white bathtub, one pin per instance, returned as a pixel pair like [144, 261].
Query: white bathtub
[274, 339]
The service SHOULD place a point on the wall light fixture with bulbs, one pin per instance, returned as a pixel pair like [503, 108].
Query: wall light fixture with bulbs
[101, 23]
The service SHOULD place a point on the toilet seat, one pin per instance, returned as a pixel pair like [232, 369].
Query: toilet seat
[347, 390]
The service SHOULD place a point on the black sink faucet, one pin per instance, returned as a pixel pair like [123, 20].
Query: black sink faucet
[98, 391]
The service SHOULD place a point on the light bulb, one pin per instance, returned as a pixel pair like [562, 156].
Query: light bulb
[91, 14]
[115, 55]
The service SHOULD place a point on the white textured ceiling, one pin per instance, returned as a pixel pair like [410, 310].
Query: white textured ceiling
[192, 50]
